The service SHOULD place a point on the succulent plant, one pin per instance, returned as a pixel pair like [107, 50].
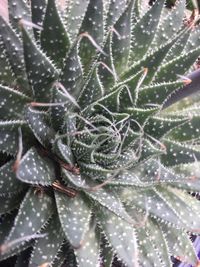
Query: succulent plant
[93, 165]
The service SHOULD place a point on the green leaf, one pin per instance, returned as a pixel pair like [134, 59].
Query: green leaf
[120, 234]
[171, 24]
[39, 123]
[54, 39]
[179, 46]
[74, 214]
[14, 53]
[57, 113]
[152, 203]
[6, 73]
[41, 73]
[177, 153]
[106, 71]
[187, 131]
[38, 8]
[12, 103]
[151, 61]
[121, 43]
[193, 41]
[179, 65]
[9, 136]
[63, 151]
[109, 200]
[140, 115]
[75, 14]
[157, 93]
[144, 31]
[46, 249]
[65, 254]
[18, 10]
[148, 254]
[88, 254]
[186, 206]
[116, 8]
[93, 25]
[9, 203]
[148, 150]
[92, 91]
[159, 243]
[33, 213]
[179, 244]
[35, 169]
[72, 75]
[9, 184]
[159, 127]
[94, 171]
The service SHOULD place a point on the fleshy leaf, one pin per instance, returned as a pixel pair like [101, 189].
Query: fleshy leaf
[187, 131]
[12, 103]
[9, 136]
[39, 123]
[45, 249]
[32, 215]
[166, 30]
[92, 91]
[109, 200]
[93, 25]
[38, 8]
[36, 170]
[18, 10]
[76, 11]
[74, 214]
[9, 184]
[71, 76]
[158, 93]
[177, 153]
[159, 127]
[58, 112]
[88, 254]
[179, 244]
[41, 73]
[116, 9]
[179, 65]
[187, 207]
[6, 74]
[9, 203]
[144, 31]
[121, 41]
[63, 151]
[121, 235]
[54, 39]
[14, 52]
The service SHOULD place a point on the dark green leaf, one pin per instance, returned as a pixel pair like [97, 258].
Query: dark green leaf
[54, 39]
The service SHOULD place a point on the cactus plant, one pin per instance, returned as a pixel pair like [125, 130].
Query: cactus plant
[93, 165]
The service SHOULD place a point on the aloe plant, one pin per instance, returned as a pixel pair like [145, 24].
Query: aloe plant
[93, 165]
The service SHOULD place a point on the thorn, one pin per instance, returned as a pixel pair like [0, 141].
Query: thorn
[197, 264]
[7, 246]
[70, 97]
[185, 79]
[46, 264]
[93, 42]
[145, 72]
[192, 178]
[109, 69]
[116, 32]
[20, 149]
[37, 104]
[23, 22]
